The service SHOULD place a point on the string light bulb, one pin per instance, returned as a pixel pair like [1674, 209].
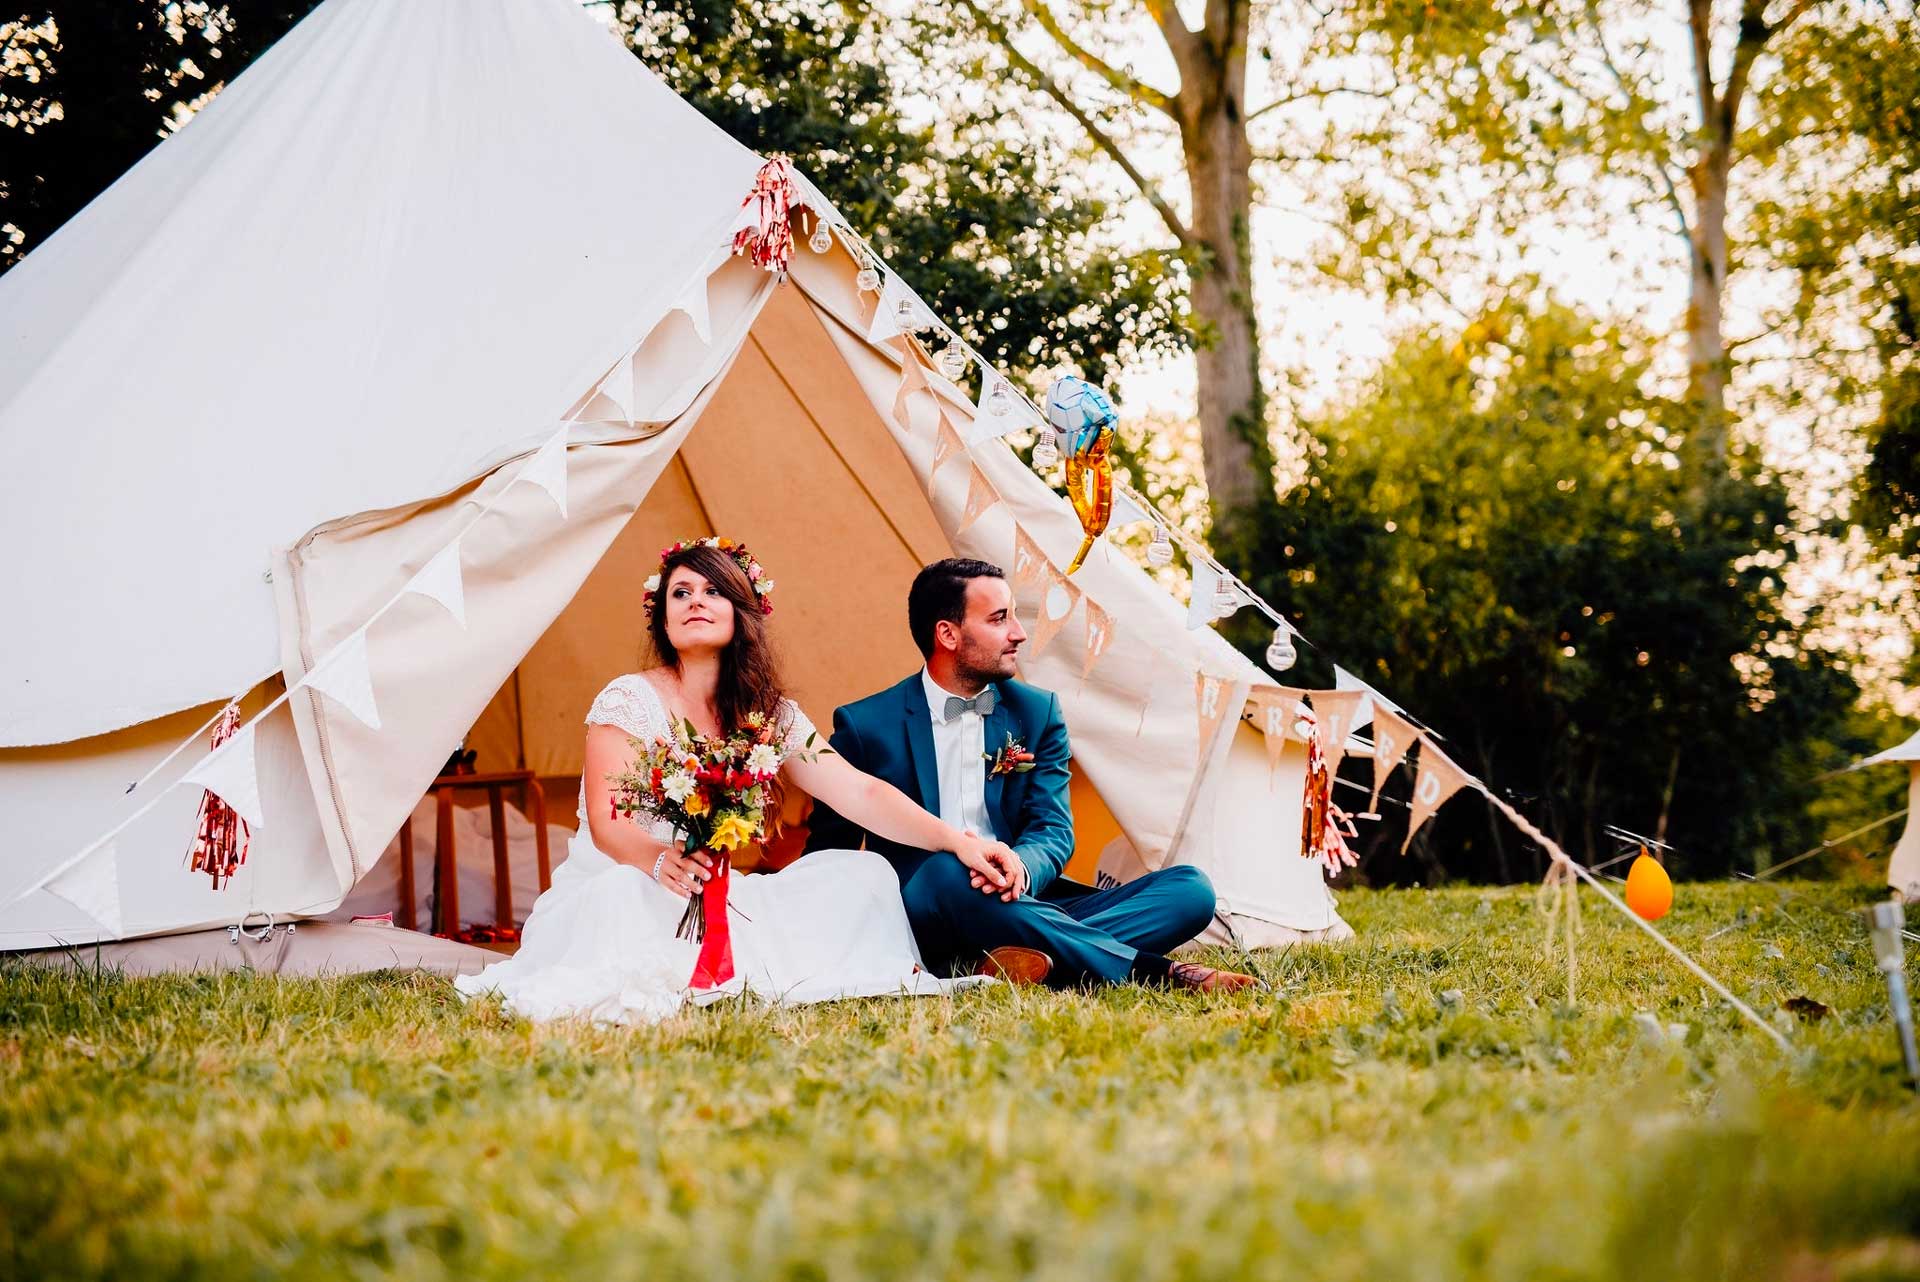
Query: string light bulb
[1225, 599]
[953, 361]
[999, 400]
[1282, 655]
[1160, 551]
[822, 239]
[908, 313]
[1046, 453]
[868, 281]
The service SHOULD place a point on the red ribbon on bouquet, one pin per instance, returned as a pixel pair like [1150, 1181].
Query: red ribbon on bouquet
[714, 966]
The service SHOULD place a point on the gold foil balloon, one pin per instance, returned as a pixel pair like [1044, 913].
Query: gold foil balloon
[1084, 419]
[1649, 889]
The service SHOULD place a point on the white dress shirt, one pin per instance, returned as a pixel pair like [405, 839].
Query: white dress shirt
[959, 748]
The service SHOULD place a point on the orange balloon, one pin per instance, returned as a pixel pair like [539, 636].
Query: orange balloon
[1649, 889]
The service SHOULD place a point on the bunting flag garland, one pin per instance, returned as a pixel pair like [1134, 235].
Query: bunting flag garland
[1438, 779]
[1099, 635]
[1279, 708]
[1030, 564]
[548, 470]
[440, 580]
[93, 886]
[913, 378]
[1056, 607]
[230, 806]
[1210, 696]
[346, 676]
[1393, 737]
[1335, 710]
[693, 301]
[946, 444]
[980, 496]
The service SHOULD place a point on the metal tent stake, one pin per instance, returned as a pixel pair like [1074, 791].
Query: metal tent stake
[1885, 923]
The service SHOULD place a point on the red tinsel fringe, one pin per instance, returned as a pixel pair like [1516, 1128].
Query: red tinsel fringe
[1322, 822]
[220, 836]
[769, 244]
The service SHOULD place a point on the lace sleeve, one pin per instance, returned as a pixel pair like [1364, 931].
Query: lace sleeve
[799, 729]
[628, 703]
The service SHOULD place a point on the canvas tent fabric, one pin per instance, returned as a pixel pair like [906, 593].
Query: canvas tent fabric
[385, 288]
[1903, 866]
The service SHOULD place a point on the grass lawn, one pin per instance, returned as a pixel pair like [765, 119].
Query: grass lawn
[1422, 1104]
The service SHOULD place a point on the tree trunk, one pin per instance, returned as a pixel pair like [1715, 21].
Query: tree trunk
[1232, 408]
[1706, 335]
[1211, 111]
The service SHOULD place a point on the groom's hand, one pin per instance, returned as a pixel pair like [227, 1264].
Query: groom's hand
[1012, 869]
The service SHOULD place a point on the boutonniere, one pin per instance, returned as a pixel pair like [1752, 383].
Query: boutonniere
[1012, 759]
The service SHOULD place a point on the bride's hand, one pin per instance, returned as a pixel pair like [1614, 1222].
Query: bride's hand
[682, 873]
[991, 862]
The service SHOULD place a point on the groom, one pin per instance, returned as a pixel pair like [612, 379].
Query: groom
[989, 754]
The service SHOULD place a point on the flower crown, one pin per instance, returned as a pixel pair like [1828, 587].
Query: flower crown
[757, 577]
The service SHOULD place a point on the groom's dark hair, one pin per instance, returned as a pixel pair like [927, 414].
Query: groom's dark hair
[939, 592]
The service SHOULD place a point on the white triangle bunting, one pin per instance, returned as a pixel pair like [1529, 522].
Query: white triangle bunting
[1126, 510]
[548, 470]
[229, 773]
[346, 676]
[693, 301]
[92, 884]
[897, 305]
[440, 580]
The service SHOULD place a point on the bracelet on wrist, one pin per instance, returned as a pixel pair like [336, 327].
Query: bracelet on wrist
[658, 863]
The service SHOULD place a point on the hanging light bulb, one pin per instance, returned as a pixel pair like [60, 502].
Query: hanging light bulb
[909, 315]
[1000, 400]
[868, 280]
[953, 361]
[1225, 600]
[1160, 551]
[822, 239]
[1046, 452]
[1281, 655]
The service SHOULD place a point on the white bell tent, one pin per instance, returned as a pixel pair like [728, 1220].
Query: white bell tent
[1903, 866]
[370, 398]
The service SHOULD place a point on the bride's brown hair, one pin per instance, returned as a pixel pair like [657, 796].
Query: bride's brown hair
[749, 672]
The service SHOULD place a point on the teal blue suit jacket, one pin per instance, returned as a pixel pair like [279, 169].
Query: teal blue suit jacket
[890, 735]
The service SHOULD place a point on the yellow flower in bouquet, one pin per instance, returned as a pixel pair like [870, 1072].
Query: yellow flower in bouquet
[699, 803]
[733, 832]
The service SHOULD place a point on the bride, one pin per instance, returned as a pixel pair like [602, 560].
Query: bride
[600, 943]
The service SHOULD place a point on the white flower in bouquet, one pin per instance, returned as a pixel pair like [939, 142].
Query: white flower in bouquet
[677, 787]
[764, 759]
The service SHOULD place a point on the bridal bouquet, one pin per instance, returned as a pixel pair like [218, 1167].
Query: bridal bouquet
[713, 790]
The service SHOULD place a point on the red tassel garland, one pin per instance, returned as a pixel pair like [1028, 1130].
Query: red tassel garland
[769, 244]
[220, 835]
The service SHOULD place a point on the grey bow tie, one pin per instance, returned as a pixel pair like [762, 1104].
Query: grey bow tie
[981, 703]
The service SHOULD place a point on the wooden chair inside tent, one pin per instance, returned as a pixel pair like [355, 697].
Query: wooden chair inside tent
[790, 458]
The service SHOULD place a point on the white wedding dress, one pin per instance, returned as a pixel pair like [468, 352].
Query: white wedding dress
[599, 944]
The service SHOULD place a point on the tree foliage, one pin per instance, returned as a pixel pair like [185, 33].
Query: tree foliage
[1496, 532]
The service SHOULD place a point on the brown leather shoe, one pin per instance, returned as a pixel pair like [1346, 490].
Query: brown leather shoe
[1016, 965]
[1205, 979]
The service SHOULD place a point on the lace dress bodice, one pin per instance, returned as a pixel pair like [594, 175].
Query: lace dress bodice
[631, 703]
